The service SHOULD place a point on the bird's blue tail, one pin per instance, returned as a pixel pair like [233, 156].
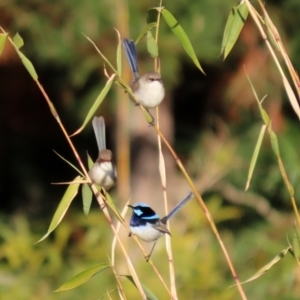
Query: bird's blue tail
[130, 51]
[177, 207]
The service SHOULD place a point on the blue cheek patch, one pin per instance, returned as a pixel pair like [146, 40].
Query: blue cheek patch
[137, 211]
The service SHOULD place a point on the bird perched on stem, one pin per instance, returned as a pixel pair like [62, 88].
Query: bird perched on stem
[148, 89]
[147, 225]
[103, 172]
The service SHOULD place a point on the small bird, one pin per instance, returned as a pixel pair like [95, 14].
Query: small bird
[147, 225]
[148, 89]
[103, 172]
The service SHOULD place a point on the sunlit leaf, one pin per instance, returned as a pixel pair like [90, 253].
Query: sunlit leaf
[82, 277]
[28, 65]
[87, 196]
[182, 36]
[255, 155]
[151, 45]
[97, 103]
[150, 295]
[63, 206]
[234, 26]
[3, 39]
[18, 41]
[26, 62]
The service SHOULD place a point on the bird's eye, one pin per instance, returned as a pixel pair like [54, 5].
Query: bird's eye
[151, 79]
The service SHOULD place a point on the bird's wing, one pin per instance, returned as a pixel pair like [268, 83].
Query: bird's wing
[162, 228]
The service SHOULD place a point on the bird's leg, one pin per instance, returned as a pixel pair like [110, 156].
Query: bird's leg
[149, 255]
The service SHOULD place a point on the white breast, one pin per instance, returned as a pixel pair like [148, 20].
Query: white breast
[103, 174]
[150, 94]
[146, 233]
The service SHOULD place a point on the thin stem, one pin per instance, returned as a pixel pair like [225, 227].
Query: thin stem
[162, 172]
[206, 212]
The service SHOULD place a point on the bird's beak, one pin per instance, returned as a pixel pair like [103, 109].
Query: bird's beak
[130, 206]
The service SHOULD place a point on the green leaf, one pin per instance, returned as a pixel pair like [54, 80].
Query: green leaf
[82, 277]
[97, 103]
[18, 41]
[87, 196]
[145, 31]
[150, 295]
[90, 161]
[274, 143]
[28, 65]
[3, 39]
[255, 155]
[151, 45]
[63, 206]
[234, 26]
[182, 37]
[26, 62]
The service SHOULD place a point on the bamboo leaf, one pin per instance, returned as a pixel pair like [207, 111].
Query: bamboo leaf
[90, 161]
[145, 31]
[255, 155]
[63, 206]
[182, 37]
[3, 39]
[18, 41]
[233, 28]
[87, 196]
[97, 103]
[26, 62]
[82, 277]
[274, 142]
[151, 45]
